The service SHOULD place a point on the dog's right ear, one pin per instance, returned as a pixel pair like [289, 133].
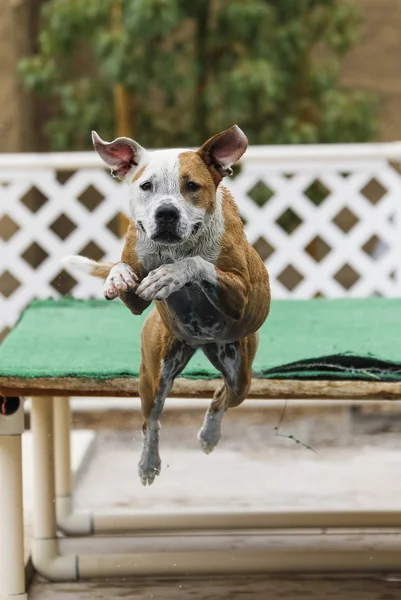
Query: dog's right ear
[121, 155]
[222, 151]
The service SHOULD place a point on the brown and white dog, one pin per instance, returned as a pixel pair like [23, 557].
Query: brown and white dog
[185, 250]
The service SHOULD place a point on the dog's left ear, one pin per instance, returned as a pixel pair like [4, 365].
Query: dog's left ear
[121, 155]
[224, 150]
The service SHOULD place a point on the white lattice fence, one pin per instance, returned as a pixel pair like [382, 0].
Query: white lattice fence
[325, 219]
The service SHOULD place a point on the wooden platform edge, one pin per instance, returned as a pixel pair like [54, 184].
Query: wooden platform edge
[263, 389]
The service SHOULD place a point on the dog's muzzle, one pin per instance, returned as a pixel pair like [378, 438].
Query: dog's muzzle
[167, 218]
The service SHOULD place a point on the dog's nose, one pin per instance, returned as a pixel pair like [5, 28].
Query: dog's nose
[167, 213]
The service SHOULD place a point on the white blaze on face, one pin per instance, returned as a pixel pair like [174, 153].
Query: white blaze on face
[162, 172]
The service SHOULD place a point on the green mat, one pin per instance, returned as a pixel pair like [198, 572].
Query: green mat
[325, 339]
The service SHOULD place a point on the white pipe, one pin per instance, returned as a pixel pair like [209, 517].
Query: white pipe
[273, 560]
[71, 523]
[68, 522]
[62, 445]
[45, 547]
[108, 523]
[48, 562]
[12, 571]
[82, 524]
[316, 559]
[44, 515]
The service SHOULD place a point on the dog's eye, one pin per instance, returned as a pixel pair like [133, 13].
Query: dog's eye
[145, 186]
[192, 186]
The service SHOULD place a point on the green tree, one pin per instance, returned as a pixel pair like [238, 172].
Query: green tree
[174, 72]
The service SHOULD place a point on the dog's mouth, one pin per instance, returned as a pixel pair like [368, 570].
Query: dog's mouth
[166, 237]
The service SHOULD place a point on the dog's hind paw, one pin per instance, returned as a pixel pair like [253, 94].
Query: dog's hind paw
[207, 445]
[120, 279]
[149, 466]
[210, 434]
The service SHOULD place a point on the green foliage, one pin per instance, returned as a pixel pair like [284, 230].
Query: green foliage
[194, 67]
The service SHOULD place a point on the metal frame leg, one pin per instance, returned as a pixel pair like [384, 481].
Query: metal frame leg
[12, 564]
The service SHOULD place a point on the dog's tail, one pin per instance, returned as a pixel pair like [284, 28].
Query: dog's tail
[86, 265]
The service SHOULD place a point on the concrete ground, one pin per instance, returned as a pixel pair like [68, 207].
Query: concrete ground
[330, 465]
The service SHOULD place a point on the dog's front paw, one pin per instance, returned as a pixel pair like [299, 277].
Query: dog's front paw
[162, 282]
[121, 278]
[149, 466]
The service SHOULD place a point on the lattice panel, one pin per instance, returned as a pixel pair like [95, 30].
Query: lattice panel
[42, 221]
[326, 228]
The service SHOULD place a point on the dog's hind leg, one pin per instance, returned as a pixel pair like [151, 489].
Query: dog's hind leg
[234, 361]
[163, 358]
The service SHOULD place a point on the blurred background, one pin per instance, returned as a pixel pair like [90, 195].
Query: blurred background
[172, 72]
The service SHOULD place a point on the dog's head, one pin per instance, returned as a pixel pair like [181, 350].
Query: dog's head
[173, 192]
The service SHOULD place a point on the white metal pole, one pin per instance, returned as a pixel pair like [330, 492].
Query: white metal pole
[12, 568]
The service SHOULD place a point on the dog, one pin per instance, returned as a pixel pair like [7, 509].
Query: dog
[186, 251]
